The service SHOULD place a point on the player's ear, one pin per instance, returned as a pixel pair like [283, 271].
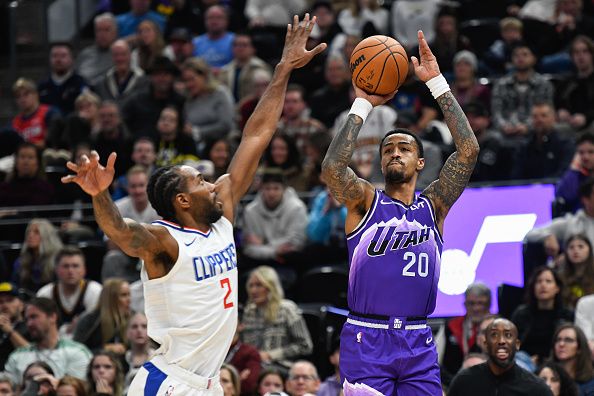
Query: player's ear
[420, 164]
[183, 200]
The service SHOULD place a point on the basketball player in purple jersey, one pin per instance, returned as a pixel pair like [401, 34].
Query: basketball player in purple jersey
[394, 242]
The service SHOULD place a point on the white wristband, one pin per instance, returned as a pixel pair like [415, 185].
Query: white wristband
[438, 86]
[361, 107]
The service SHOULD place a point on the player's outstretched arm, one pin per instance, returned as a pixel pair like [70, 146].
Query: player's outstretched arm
[458, 168]
[344, 184]
[263, 122]
[133, 238]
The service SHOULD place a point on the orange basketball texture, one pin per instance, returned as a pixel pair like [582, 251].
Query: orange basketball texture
[379, 65]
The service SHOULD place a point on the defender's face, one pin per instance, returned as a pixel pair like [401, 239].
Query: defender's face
[204, 202]
[400, 160]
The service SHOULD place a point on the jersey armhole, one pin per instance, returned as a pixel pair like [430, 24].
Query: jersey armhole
[365, 218]
[432, 213]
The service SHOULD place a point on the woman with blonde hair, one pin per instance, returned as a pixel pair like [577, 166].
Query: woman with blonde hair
[150, 45]
[71, 386]
[208, 110]
[106, 326]
[230, 380]
[273, 324]
[35, 265]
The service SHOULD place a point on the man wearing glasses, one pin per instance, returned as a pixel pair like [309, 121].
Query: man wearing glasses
[303, 379]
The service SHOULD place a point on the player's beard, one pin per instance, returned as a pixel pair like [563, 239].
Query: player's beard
[214, 214]
[394, 176]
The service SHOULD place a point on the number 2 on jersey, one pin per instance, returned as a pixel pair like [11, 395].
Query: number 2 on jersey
[225, 284]
[422, 266]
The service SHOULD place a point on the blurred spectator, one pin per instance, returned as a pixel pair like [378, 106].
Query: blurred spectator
[28, 175]
[174, 147]
[380, 121]
[141, 110]
[106, 326]
[275, 13]
[273, 324]
[139, 11]
[465, 85]
[571, 351]
[327, 28]
[246, 106]
[38, 379]
[333, 98]
[94, 60]
[576, 95]
[135, 206]
[140, 349]
[282, 153]
[230, 380]
[238, 75]
[540, 10]
[495, 159]
[332, 385]
[499, 55]
[63, 85]
[514, 95]
[72, 293]
[556, 233]
[122, 80]
[461, 333]
[113, 136]
[542, 314]
[150, 45]
[208, 110]
[219, 152]
[570, 21]
[557, 379]
[187, 14]
[35, 265]
[474, 358]
[274, 225]
[313, 155]
[214, 46]
[180, 46]
[303, 379]
[582, 167]
[410, 16]
[80, 126]
[71, 386]
[500, 374]
[105, 375]
[246, 359]
[13, 331]
[584, 319]
[143, 154]
[576, 269]
[546, 152]
[364, 18]
[296, 121]
[325, 231]
[34, 120]
[7, 387]
[270, 380]
[63, 356]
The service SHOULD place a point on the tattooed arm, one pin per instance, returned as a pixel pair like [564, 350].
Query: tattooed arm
[457, 170]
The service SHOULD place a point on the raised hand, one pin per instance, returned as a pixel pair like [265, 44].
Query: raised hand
[375, 100]
[294, 52]
[427, 68]
[90, 175]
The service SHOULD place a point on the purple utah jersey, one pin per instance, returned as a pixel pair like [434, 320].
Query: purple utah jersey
[395, 256]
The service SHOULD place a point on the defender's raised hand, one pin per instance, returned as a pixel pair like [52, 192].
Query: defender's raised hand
[294, 52]
[90, 175]
[428, 67]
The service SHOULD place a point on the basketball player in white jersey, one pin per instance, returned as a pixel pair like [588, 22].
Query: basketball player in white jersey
[189, 260]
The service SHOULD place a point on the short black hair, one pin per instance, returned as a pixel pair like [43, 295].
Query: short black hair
[404, 131]
[273, 175]
[45, 305]
[585, 137]
[163, 185]
[586, 187]
[68, 250]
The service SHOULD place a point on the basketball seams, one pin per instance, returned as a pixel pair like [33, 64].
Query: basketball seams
[368, 46]
[367, 63]
[379, 80]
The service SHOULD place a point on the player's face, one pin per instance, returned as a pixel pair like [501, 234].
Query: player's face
[205, 204]
[585, 152]
[103, 368]
[545, 288]
[566, 346]
[227, 383]
[578, 251]
[270, 383]
[551, 379]
[400, 159]
[502, 342]
[71, 270]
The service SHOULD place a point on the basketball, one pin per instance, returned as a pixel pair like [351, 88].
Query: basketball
[379, 65]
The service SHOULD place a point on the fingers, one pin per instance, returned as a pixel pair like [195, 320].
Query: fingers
[68, 179]
[84, 160]
[318, 48]
[415, 61]
[94, 157]
[72, 166]
[295, 23]
[111, 161]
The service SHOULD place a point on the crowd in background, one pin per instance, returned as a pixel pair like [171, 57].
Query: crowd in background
[174, 82]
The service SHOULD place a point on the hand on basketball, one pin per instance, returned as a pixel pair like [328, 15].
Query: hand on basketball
[91, 176]
[427, 68]
[294, 52]
[375, 100]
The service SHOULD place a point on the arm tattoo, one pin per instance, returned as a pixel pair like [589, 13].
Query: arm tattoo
[342, 181]
[457, 170]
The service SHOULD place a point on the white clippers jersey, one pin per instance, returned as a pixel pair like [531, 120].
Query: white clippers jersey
[192, 311]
